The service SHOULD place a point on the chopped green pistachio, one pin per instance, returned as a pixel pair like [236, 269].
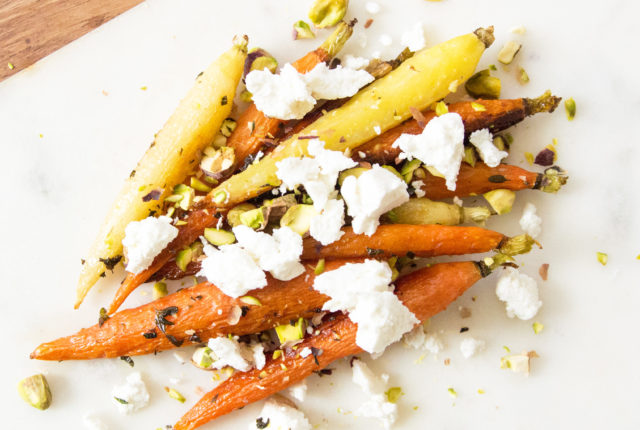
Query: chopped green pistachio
[441, 108]
[253, 218]
[202, 357]
[519, 363]
[408, 169]
[508, 52]
[523, 77]
[506, 348]
[174, 394]
[393, 263]
[483, 85]
[501, 200]
[298, 218]
[509, 138]
[499, 142]
[250, 300]
[537, 327]
[302, 30]
[356, 171]
[638, 257]
[233, 216]
[35, 391]
[246, 96]
[159, 290]
[393, 170]
[217, 237]
[570, 108]
[602, 258]
[393, 394]
[174, 198]
[10, 66]
[480, 391]
[219, 141]
[478, 107]
[470, 156]
[452, 392]
[180, 222]
[220, 197]
[187, 194]
[492, 67]
[529, 157]
[197, 184]
[554, 141]
[288, 332]
[327, 13]
[276, 354]
[217, 161]
[143, 88]
[183, 258]
[319, 267]
[434, 171]
[227, 127]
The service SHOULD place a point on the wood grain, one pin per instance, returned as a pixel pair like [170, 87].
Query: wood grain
[32, 29]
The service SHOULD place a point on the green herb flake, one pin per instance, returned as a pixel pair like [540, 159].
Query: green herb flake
[537, 327]
[262, 424]
[123, 401]
[104, 316]
[127, 360]
[570, 108]
[603, 258]
[224, 101]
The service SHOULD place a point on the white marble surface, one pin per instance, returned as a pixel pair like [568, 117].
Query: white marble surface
[73, 125]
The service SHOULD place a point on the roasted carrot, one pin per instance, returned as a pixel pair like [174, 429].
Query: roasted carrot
[482, 178]
[246, 140]
[425, 292]
[498, 115]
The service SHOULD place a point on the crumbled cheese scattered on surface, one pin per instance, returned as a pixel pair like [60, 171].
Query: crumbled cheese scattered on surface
[92, 422]
[230, 352]
[520, 29]
[370, 195]
[144, 240]
[318, 175]
[363, 290]
[305, 352]
[530, 222]
[520, 292]
[518, 363]
[259, 359]
[353, 62]
[326, 227]
[179, 357]
[372, 7]
[133, 392]
[470, 347]
[483, 141]
[417, 186]
[377, 405]
[440, 145]
[278, 254]
[280, 416]
[419, 339]
[361, 39]
[220, 267]
[385, 40]
[329, 84]
[284, 95]
[413, 38]
[299, 391]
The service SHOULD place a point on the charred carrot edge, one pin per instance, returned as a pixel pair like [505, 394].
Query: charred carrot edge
[388, 240]
[246, 141]
[498, 115]
[425, 292]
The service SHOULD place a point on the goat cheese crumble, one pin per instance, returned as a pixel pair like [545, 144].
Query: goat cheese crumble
[370, 195]
[220, 267]
[353, 62]
[326, 227]
[385, 40]
[363, 290]
[530, 222]
[413, 38]
[372, 7]
[92, 422]
[144, 240]
[299, 391]
[132, 395]
[277, 415]
[329, 84]
[470, 347]
[440, 145]
[377, 405]
[520, 292]
[227, 351]
[417, 187]
[483, 141]
[419, 339]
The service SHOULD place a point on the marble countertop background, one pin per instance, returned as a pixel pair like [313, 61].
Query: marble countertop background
[73, 125]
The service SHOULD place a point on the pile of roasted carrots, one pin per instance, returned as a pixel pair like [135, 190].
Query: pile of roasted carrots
[205, 312]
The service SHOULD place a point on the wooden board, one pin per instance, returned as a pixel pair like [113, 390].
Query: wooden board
[32, 29]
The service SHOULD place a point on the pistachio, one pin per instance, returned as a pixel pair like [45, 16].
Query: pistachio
[246, 96]
[291, 332]
[470, 157]
[356, 171]
[394, 171]
[478, 107]
[319, 267]
[217, 237]
[301, 30]
[298, 218]
[187, 194]
[483, 85]
[523, 76]
[198, 185]
[250, 300]
[159, 290]
[441, 108]
[35, 391]
[603, 258]
[408, 169]
[183, 258]
[570, 108]
[276, 354]
[501, 200]
[393, 394]
[259, 59]
[434, 171]
[219, 141]
[227, 127]
[529, 157]
[220, 197]
[216, 163]
[233, 216]
[202, 357]
[253, 218]
[452, 392]
[175, 394]
[500, 143]
[508, 52]
[537, 327]
[327, 13]
[519, 363]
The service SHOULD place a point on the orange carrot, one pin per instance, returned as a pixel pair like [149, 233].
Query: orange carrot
[425, 292]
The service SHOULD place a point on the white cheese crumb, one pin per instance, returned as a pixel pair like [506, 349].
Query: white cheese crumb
[419, 339]
[144, 240]
[299, 391]
[385, 40]
[278, 254]
[377, 129]
[305, 352]
[229, 352]
[362, 154]
[336, 83]
[92, 422]
[520, 292]
[413, 38]
[417, 186]
[470, 347]
[361, 39]
[440, 145]
[318, 175]
[326, 227]
[377, 405]
[280, 416]
[520, 29]
[282, 96]
[220, 267]
[530, 222]
[363, 290]
[483, 141]
[179, 357]
[353, 62]
[372, 7]
[376, 55]
[259, 359]
[133, 392]
[370, 195]
[457, 201]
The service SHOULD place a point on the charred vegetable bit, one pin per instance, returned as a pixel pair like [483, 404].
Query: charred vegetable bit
[104, 316]
[127, 360]
[162, 322]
